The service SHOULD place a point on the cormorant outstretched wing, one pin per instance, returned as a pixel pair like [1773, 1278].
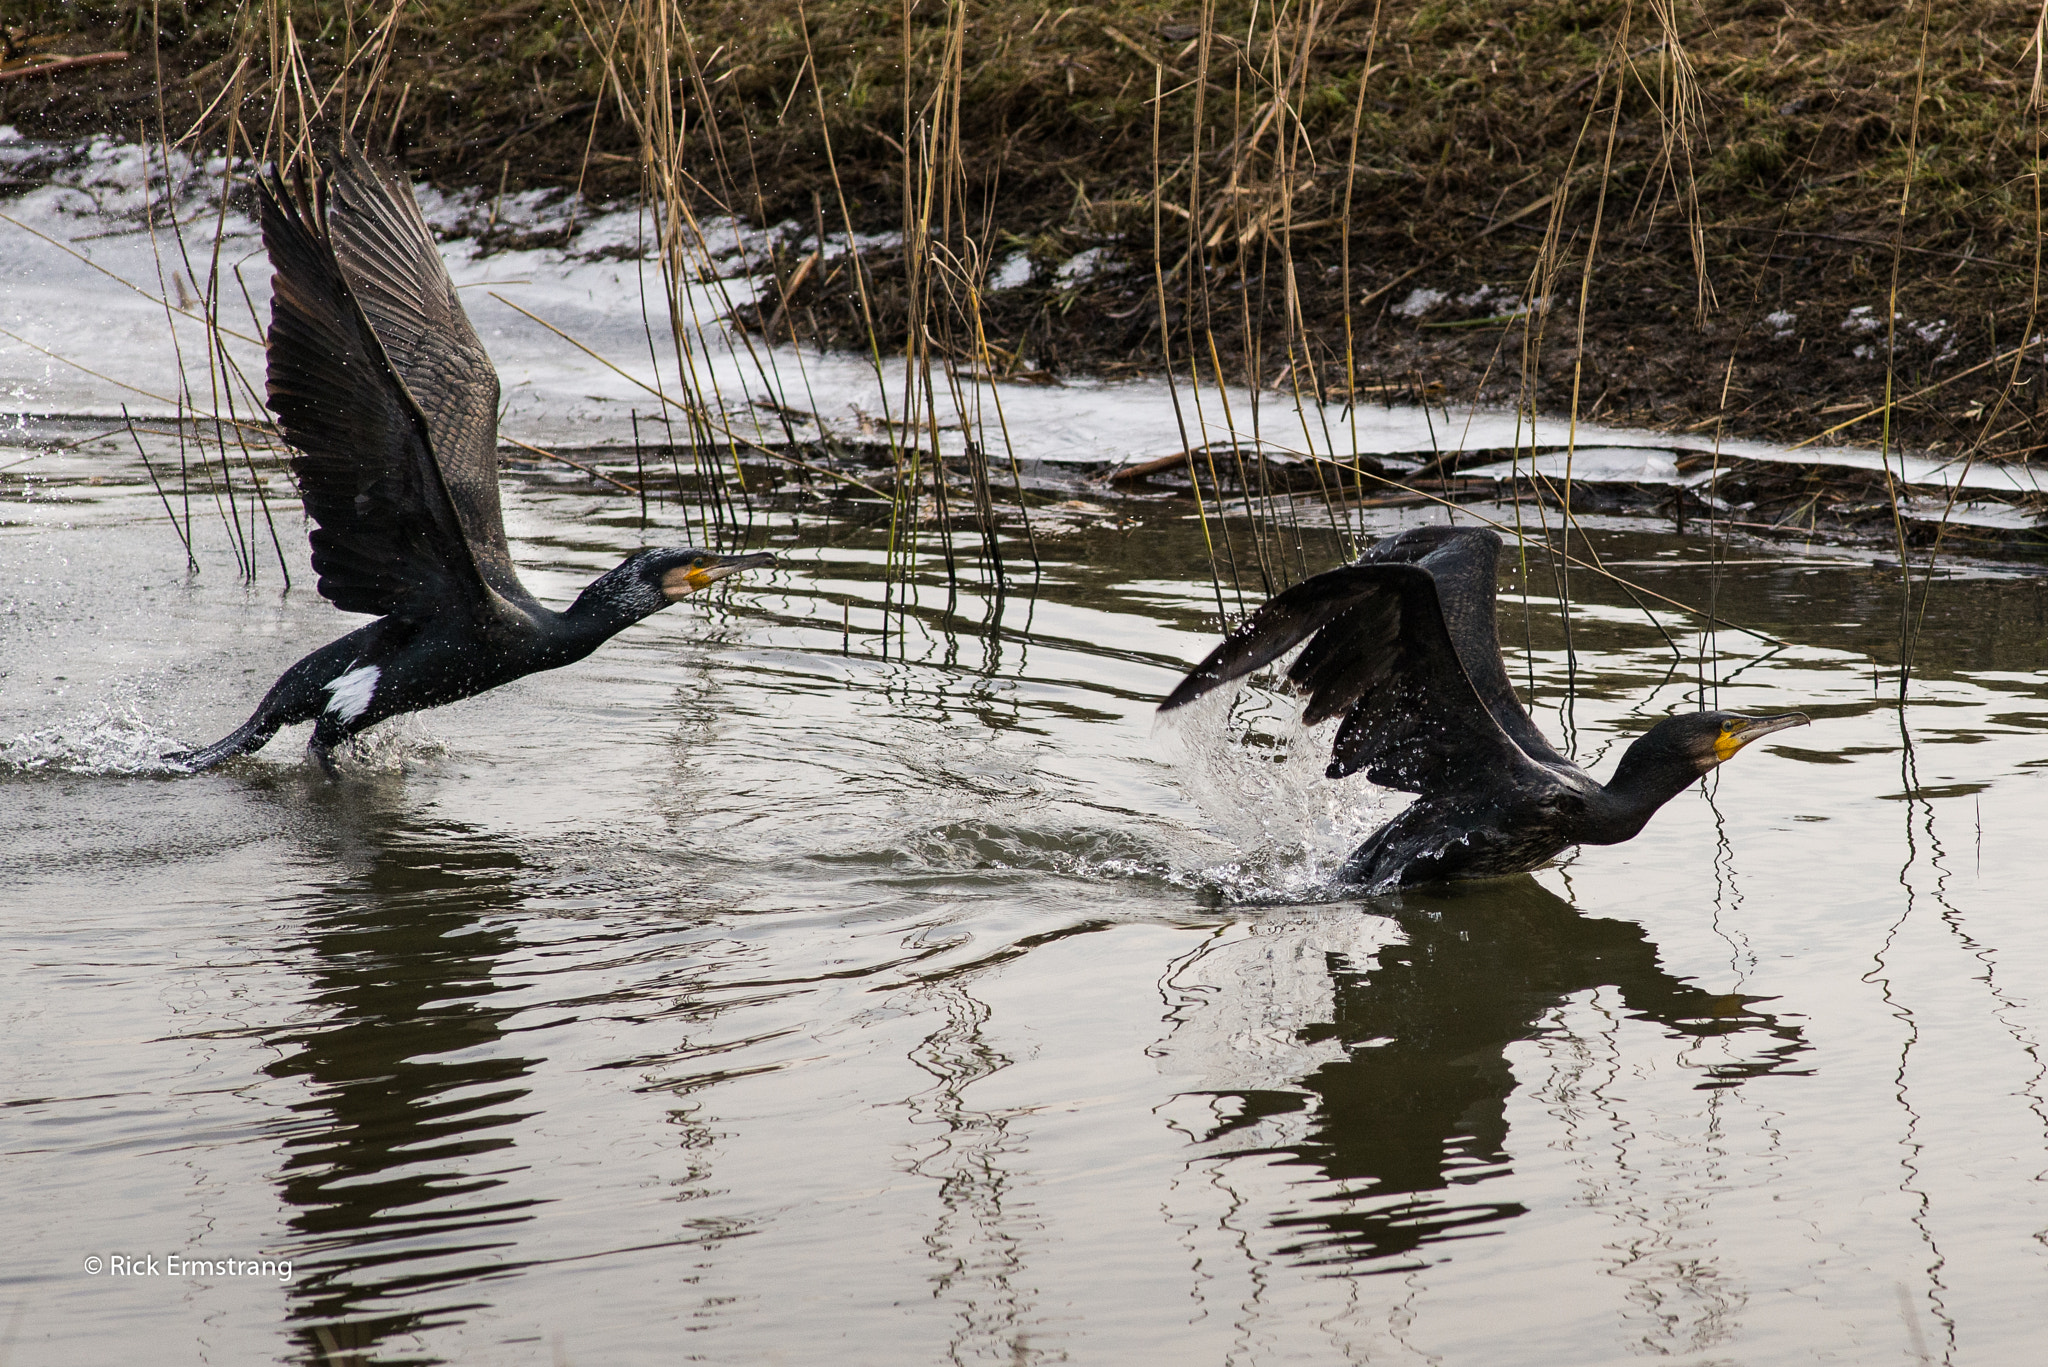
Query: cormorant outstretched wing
[395, 272]
[1465, 562]
[388, 537]
[1389, 642]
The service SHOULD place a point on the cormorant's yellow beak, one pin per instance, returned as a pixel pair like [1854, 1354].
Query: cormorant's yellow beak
[685, 580]
[1740, 731]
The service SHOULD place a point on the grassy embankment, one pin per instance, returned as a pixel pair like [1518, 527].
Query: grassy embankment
[1777, 193]
[1743, 218]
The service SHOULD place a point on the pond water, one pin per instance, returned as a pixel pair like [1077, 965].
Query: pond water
[770, 988]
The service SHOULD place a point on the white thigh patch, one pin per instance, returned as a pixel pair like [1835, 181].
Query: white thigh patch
[349, 695]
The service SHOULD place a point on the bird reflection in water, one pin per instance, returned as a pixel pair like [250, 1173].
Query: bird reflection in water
[405, 1094]
[1416, 1099]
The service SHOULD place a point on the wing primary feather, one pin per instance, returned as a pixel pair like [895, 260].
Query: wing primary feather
[385, 538]
[1284, 622]
[396, 275]
[1465, 563]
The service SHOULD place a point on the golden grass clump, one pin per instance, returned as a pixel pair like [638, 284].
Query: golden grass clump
[1779, 221]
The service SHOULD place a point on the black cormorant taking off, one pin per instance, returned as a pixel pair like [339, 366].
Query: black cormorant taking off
[1402, 644]
[391, 407]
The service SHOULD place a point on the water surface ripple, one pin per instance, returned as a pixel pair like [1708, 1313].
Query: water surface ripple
[768, 989]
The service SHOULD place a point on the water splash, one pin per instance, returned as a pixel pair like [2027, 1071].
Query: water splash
[112, 740]
[1256, 775]
[394, 747]
[1266, 826]
[115, 740]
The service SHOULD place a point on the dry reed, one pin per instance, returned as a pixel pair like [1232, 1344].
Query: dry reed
[1269, 471]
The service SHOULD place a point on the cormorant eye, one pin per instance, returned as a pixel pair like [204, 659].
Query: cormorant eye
[1727, 728]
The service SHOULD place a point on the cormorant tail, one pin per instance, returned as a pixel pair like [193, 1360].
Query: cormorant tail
[251, 735]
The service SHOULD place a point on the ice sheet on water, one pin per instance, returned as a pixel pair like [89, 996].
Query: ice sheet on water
[1606, 464]
[93, 254]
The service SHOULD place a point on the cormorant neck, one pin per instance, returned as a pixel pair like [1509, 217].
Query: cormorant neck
[612, 602]
[1651, 773]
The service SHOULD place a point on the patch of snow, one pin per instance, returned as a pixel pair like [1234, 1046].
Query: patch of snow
[1501, 303]
[1597, 465]
[835, 243]
[1862, 319]
[1419, 302]
[1782, 323]
[1082, 266]
[1936, 334]
[1013, 273]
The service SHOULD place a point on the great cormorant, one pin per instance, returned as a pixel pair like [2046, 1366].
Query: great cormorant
[1402, 644]
[390, 404]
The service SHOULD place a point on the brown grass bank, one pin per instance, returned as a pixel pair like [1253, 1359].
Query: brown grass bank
[1771, 215]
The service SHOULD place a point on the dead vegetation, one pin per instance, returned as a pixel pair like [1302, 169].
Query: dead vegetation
[1718, 218]
[1742, 166]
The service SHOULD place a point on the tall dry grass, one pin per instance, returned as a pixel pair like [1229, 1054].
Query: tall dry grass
[1269, 437]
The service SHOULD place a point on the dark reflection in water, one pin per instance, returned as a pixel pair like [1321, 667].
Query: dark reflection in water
[404, 1097]
[1419, 1102]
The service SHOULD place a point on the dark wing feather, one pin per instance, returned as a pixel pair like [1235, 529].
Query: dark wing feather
[395, 272]
[1465, 562]
[1287, 619]
[1381, 650]
[385, 539]
[1327, 671]
[1419, 723]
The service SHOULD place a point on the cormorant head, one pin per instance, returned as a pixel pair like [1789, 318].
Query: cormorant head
[1686, 746]
[648, 581]
[680, 571]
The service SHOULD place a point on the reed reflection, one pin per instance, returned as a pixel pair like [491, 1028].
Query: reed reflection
[397, 1175]
[1414, 1104]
